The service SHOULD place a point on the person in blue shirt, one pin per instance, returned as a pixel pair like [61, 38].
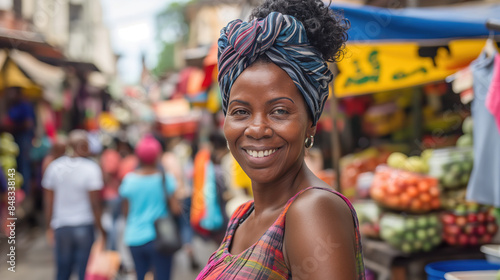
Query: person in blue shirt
[144, 199]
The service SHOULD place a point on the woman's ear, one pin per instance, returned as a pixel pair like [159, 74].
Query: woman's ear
[311, 130]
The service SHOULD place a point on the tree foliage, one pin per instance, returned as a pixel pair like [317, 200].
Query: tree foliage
[171, 28]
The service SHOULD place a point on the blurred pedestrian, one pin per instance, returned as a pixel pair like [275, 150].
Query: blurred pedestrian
[73, 206]
[57, 150]
[144, 202]
[208, 216]
[177, 160]
[219, 151]
[110, 162]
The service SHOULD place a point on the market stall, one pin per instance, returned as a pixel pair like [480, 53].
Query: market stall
[391, 88]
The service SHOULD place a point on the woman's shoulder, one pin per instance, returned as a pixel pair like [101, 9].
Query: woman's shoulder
[321, 225]
[323, 204]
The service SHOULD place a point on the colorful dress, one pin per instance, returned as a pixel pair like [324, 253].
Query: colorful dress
[264, 259]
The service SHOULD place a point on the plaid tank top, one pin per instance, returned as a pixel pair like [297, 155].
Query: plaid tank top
[264, 259]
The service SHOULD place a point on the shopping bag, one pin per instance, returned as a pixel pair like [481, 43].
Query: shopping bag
[102, 264]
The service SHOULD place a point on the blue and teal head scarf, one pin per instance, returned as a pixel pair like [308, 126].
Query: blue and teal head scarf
[283, 39]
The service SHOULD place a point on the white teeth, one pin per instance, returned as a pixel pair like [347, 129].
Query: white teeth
[259, 154]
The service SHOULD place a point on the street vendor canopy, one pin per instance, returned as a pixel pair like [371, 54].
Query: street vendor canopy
[417, 24]
[391, 49]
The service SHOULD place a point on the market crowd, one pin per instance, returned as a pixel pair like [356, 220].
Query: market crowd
[82, 181]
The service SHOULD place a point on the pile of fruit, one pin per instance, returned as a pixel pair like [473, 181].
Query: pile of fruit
[452, 166]
[354, 165]
[405, 191]
[470, 224]
[452, 198]
[8, 153]
[368, 218]
[466, 139]
[411, 233]
[417, 164]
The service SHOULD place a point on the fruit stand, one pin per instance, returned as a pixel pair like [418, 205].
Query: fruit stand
[415, 212]
[390, 263]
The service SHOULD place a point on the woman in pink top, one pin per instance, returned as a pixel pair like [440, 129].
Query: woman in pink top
[274, 81]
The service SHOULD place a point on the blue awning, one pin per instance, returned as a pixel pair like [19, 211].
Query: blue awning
[418, 24]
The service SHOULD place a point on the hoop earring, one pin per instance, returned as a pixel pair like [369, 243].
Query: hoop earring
[309, 142]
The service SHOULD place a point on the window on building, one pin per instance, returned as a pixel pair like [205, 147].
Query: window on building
[75, 12]
[75, 15]
[18, 8]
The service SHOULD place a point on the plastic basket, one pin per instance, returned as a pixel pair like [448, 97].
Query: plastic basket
[437, 270]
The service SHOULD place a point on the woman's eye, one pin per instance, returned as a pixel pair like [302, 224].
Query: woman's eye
[280, 112]
[239, 112]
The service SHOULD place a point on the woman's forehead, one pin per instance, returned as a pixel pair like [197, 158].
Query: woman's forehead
[262, 79]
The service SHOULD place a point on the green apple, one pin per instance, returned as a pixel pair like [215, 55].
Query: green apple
[9, 148]
[8, 162]
[427, 246]
[433, 221]
[7, 136]
[421, 234]
[417, 245]
[414, 164]
[406, 247]
[410, 224]
[422, 222]
[19, 179]
[465, 141]
[426, 154]
[467, 125]
[409, 236]
[431, 232]
[436, 240]
[396, 160]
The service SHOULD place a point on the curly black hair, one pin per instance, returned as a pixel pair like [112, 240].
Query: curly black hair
[326, 30]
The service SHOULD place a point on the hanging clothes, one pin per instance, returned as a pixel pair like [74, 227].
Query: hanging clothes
[484, 184]
[493, 97]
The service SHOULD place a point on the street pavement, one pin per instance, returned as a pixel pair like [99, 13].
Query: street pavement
[35, 259]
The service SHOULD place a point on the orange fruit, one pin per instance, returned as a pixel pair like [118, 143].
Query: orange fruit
[435, 203]
[423, 186]
[425, 197]
[412, 191]
[434, 191]
[416, 205]
[392, 189]
[405, 199]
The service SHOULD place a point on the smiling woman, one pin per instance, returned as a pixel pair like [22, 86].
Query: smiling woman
[274, 83]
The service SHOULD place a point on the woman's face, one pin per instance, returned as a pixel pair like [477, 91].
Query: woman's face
[266, 123]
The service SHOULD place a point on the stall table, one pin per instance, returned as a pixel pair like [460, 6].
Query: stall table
[391, 264]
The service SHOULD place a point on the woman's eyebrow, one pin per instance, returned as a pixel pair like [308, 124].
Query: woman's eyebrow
[239, 101]
[279, 98]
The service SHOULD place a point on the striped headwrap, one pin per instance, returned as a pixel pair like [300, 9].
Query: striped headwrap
[283, 39]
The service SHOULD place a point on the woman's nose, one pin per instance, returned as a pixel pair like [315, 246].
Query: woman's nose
[258, 128]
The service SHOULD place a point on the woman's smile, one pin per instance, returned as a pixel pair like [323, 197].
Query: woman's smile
[260, 154]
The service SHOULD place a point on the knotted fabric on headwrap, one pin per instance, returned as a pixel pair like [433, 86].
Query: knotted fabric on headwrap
[283, 39]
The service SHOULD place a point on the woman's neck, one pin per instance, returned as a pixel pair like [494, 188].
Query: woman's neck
[273, 196]
[147, 169]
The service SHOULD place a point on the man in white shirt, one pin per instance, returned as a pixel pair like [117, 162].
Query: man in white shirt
[73, 205]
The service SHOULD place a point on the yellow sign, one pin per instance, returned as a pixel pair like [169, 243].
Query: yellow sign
[369, 68]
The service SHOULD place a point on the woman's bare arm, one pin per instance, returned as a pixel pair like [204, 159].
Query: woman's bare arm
[320, 238]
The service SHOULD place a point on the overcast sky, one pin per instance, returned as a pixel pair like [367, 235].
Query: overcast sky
[132, 28]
